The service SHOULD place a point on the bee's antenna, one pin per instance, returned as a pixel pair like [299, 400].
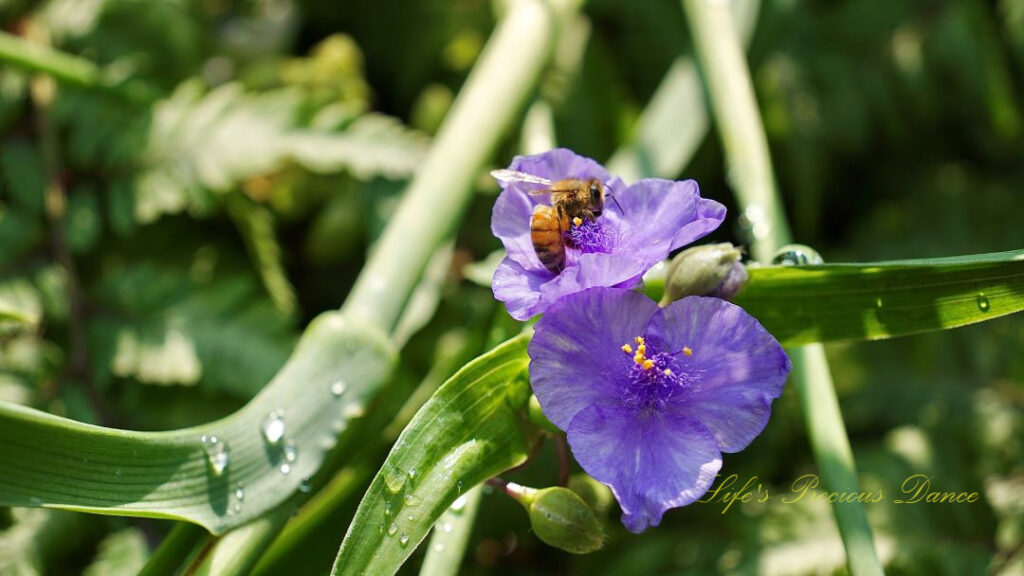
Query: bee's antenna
[623, 212]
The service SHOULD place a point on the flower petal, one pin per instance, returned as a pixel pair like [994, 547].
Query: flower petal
[510, 222]
[575, 354]
[510, 218]
[592, 270]
[558, 164]
[740, 367]
[666, 215]
[651, 464]
[519, 288]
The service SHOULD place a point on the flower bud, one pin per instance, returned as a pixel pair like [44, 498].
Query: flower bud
[708, 270]
[560, 518]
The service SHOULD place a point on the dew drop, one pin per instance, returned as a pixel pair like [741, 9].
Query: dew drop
[387, 508]
[117, 472]
[878, 302]
[290, 451]
[394, 482]
[338, 388]
[403, 539]
[412, 473]
[411, 500]
[392, 528]
[237, 507]
[439, 547]
[273, 427]
[285, 468]
[797, 255]
[240, 491]
[447, 527]
[218, 454]
[983, 304]
[304, 486]
[459, 504]
[410, 517]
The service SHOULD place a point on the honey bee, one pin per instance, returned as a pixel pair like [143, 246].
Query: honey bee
[573, 201]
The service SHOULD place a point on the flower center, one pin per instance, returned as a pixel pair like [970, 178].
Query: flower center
[655, 378]
[591, 236]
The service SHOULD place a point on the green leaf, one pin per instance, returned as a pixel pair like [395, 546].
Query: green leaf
[451, 535]
[186, 317]
[256, 224]
[20, 305]
[122, 552]
[35, 536]
[22, 169]
[469, 431]
[373, 145]
[799, 305]
[200, 143]
[53, 462]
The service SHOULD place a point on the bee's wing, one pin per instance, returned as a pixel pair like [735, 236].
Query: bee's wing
[510, 176]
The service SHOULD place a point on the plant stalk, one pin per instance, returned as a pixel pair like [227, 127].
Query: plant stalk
[492, 98]
[727, 78]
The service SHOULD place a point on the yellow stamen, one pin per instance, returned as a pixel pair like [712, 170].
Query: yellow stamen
[577, 221]
[638, 358]
[639, 339]
[641, 349]
[627, 348]
[667, 372]
[648, 364]
[687, 351]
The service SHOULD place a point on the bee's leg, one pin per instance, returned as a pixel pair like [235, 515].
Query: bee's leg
[564, 223]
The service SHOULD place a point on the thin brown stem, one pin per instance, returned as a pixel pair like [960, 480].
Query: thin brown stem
[562, 449]
[42, 91]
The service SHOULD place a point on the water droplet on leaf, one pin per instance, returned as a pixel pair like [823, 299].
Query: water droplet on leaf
[797, 255]
[273, 427]
[459, 504]
[285, 468]
[338, 388]
[983, 304]
[394, 482]
[290, 451]
[392, 528]
[218, 454]
[403, 539]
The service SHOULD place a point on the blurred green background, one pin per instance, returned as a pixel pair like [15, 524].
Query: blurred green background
[171, 248]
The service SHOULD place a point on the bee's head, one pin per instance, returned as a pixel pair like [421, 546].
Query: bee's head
[596, 197]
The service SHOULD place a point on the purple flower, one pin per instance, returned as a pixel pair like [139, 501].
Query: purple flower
[650, 219]
[650, 397]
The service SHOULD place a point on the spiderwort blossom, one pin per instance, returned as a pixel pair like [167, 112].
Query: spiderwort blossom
[650, 397]
[639, 228]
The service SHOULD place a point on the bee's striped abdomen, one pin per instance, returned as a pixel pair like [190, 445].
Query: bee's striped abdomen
[546, 235]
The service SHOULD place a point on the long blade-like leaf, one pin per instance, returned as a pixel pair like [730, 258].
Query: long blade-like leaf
[469, 431]
[59, 463]
[825, 303]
